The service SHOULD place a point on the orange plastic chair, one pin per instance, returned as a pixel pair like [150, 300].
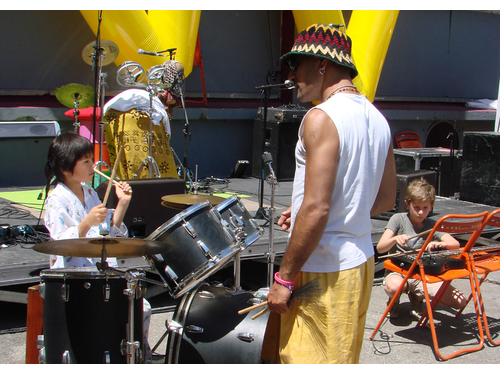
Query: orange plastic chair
[485, 261]
[453, 224]
[408, 139]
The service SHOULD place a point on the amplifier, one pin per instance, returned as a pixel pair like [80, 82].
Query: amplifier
[481, 168]
[280, 138]
[23, 151]
[29, 129]
[145, 212]
[403, 180]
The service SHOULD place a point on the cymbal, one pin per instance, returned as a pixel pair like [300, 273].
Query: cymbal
[110, 52]
[183, 201]
[117, 247]
[84, 95]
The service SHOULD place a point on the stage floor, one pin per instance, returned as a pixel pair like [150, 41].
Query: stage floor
[20, 264]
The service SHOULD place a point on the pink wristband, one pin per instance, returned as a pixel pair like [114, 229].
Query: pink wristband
[282, 282]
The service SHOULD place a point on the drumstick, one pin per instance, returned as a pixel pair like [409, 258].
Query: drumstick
[420, 234]
[410, 251]
[260, 313]
[115, 181]
[244, 311]
[108, 190]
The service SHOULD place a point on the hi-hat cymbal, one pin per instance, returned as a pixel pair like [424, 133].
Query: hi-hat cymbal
[110, 52]
[183, 201]
[67, 94]
[116, 247]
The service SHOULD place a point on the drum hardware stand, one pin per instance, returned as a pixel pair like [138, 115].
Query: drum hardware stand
[76, 112]
[131, 348]
[150, 160]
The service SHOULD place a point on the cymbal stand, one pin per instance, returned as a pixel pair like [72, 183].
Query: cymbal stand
[102, 89]
[186, 134]
[99, 82]
[152, 165]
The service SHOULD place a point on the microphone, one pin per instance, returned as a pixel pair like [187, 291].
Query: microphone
[286, 85]
[140, 51]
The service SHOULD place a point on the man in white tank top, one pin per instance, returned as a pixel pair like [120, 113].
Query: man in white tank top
[345, 173]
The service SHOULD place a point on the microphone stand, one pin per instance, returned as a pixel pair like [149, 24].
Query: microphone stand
[271, 254]
[266, 91]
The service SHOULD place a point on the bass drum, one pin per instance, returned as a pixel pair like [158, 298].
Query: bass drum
[207, 328]
[86, 315]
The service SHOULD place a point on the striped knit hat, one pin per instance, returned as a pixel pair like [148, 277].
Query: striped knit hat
[324, 41]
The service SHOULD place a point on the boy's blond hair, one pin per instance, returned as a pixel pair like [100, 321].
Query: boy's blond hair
[420, 190]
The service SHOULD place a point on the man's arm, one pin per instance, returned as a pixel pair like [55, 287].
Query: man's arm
[321, 142]
[386, 196]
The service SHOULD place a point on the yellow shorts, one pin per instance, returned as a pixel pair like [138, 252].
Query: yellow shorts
[329, 328]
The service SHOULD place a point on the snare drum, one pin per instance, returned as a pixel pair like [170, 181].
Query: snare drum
[235, 215]
[208, 329]
[86, 314]
[197, 245]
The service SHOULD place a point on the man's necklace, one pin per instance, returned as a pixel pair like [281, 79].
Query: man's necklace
[344, 88]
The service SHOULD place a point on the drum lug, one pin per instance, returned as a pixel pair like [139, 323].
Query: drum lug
[66, 358]
[107, 292]
[255, 225]
[189, 229]
[41, 290]
[194, 329]
[206, 294]
[235, 219]
[245, 336]
[205, 249]
[65, 292]
[170, 273]
[173, 326]
[40, 344]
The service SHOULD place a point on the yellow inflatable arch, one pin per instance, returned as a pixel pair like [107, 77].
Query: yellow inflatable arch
[156, 30]
[370, 31]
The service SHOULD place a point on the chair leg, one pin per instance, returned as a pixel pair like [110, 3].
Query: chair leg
[432, 307]
[394, 299]
[483, 311]
[470, 297]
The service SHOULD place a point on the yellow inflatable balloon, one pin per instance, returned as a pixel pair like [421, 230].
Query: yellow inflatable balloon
[178, 29]
[305, 18]
[131, 30]
[371, 32]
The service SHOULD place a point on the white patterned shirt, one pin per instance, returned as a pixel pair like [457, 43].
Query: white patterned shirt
[64, 212]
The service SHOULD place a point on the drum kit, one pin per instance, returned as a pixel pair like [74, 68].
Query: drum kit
[94, 315]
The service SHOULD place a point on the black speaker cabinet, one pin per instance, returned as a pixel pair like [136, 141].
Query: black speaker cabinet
[23, 151]
[479, 181]
[145, 212]
[279, 139]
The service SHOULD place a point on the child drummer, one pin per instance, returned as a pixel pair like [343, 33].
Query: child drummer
[73, 208]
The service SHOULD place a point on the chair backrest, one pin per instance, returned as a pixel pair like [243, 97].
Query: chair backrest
[408, 139]
[493, 219]
[458, 224]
